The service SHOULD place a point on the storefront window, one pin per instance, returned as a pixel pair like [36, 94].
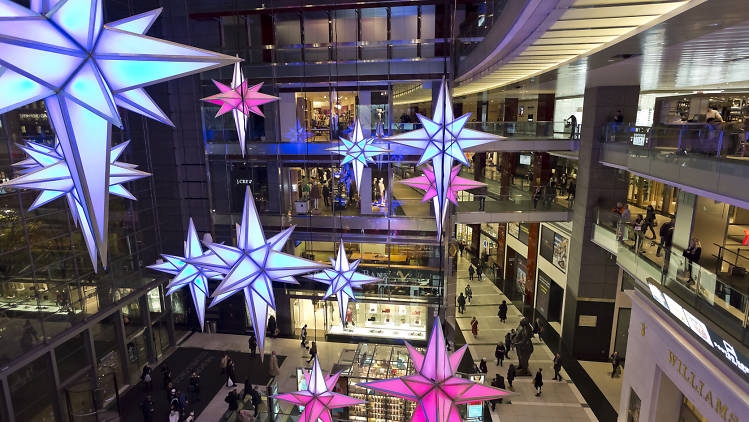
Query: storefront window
[137, 355]
[161, 340]
[71, 357]
[155, 305]
[132, 317]
[107, 350]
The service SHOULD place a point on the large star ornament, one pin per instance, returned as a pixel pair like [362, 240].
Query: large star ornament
[427, 183]
[298, 133]
[241, 100]
[358, 151]
[60, 51]
[46, 170]
[435, 388]
[187, 274]
[442, 139]
[319, 397]
[253, 265]
[341, 279]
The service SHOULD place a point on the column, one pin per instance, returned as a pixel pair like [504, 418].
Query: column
[475, 239]
[364, 112]
[687, 203]
[511, 110]
[509, 163]
[545, 115]
[500, 258]
[541, 167]
[365, 193]
[534, 232]
[592, 274]
[286, 114]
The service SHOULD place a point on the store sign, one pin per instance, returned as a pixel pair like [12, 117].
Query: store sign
[724, 348]
[638, 139]
[701, 388]
[519, 231]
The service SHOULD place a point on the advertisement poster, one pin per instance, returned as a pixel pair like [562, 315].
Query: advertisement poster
[520, 277]
[546, 249]
[543, 294]
[561, 248]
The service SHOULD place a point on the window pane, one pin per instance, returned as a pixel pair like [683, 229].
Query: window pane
[71, 357]
[32, 399]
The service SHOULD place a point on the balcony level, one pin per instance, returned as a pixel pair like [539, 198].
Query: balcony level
[704, 159]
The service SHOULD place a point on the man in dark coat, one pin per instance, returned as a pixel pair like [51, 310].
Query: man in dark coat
[502, 312]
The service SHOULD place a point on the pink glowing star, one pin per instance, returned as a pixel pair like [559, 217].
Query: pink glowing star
[435, 388]
[241, 100]
[426, 182]
[318, 398]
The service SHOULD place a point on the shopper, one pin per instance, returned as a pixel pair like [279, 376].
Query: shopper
[571, 192]
[538, 382]
[304, 336]
[256, 400]
[461, 303]
[232, 399]
[461, 247]
[230, 373]
[508, 343]
[557, 367]
[624, 221]
[497, 382]
[272, 326]
[667, 234]
[502, 312]
[692, 253]
[474, 327]
[470, 272]
[615, 362]
[483, 367]
[145, 377]
[252, 344]
[147, 408]
[536, 196]
[650, 221]
[469, 293]
[571, 122]
[312, 351]
[273, 369]
[326, 195]
[173, 414]
[479, 271]
[638, 228]
[194, 388]
[499, 353]
[510, 374]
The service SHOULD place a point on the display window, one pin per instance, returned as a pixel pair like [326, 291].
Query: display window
[370, 319]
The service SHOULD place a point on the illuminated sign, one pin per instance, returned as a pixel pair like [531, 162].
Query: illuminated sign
[638, 139]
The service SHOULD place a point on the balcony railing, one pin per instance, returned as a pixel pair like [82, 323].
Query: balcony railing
[703, 287]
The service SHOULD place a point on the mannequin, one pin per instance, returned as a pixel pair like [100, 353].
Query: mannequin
[381, 187]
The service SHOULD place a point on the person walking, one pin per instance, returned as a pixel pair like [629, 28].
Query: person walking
[194, 388]
[312, 351]
[499, 353]
[326, 195]
[230, 373]
[615, 362]
[538, 382]
[667, 234]
[508, 344]
[272, 326]
[273, 369]
[256, 400]
[232, 400]
[483, 367]
[461, 303]
[252, 344]
[479, 270]
[498, 382]
[692, 253]
[173, 414]
[304, 336]
[510, 374]
[470, 272]
[474, 327]
[650, 222]
[224, 362]
[536, 196]
[461, 247]
[469, 293]
[145, 376]
[147, 408]
[502, 312]
[166, 376]
[557, 367]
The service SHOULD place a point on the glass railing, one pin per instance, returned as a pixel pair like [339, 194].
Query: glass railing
[708, 290]
[530, 130]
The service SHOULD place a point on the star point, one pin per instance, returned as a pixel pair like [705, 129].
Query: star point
[62, 52]
[358, 150]
[435, 387]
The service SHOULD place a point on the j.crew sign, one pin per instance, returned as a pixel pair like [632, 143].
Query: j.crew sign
[703, 390]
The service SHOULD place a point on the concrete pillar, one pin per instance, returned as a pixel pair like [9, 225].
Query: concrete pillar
[365, 193]
[475, 239]
[534, 232]
[500, 258]
[511, 110]
[509, 162]
[684, 219]
[286, 113]
[592, 274]
[364, 111]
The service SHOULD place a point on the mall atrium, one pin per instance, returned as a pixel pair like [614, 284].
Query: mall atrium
[374, 211]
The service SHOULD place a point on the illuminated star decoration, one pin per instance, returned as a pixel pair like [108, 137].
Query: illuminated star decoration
[319, 397]
[240, 100]
[61, 52]
[187, 274]
[47, 171]
[442, 140]
[298, 133]
[341, 279]
[427, 183]
[358, 151]
[435, 388]
[253, 265]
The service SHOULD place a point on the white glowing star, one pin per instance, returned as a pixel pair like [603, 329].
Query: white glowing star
[358, 151]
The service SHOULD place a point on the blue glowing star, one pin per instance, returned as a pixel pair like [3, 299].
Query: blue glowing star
[61, 51]
[341, 279]
[298, 133]
[358, 151]
[442, 140]
[253, 265]
[187, 274]
[46, 170]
